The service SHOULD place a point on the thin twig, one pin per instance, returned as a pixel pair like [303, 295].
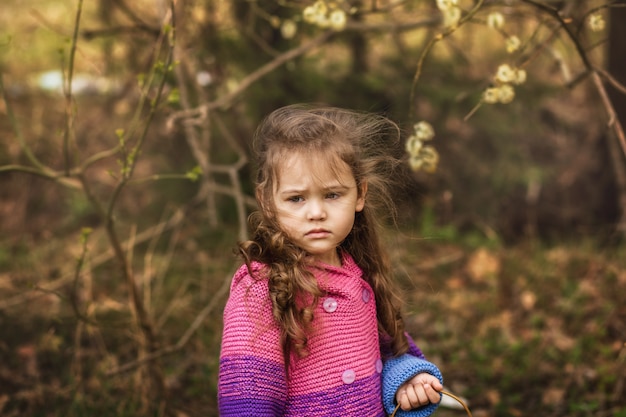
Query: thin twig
[67, 87]
[612, 80]
[167, 260]
[449, 394]
[227, 100]
[390, 26]
[174, 221]
[174, 302]
[554, 13]
[200, 149]
[182, 342]
[77, 274]
[429, 46]
[233, 172]
[613, 121]
[18, 132]
[148, 269]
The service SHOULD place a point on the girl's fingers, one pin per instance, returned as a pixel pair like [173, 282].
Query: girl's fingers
[403, 400]
[417, 395]
[436, 385]
[433, 395]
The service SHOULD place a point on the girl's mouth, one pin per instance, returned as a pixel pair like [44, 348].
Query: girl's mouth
[317, 233]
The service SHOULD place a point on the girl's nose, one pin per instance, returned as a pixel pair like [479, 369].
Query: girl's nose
[316, 211]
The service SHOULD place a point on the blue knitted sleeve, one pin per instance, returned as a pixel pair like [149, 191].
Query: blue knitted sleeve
[396, 372]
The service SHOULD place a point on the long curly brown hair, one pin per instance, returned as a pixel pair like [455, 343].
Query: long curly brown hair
[364, 142]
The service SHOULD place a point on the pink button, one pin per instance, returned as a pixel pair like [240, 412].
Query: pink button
[348, 376]
[365, 295]
[330, 305]
[379, 365]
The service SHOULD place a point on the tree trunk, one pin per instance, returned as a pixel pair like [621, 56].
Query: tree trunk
[616, 66]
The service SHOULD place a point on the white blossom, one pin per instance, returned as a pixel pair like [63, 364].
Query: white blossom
[337, 19]
[495, 20]
[506, 93]
[490, 95]
[596, 22]
[288, 29]
[513, 44]
[505, 74]
[424, 130]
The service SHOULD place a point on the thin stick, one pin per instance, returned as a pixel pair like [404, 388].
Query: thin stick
[69, 108]
[195, 325]
[449, 394]
[227, 100]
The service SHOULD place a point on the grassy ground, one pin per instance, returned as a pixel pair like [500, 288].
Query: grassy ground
[522, 331]
[528, 330]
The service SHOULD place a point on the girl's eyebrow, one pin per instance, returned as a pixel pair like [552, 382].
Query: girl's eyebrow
[337, 187]
[332, 187]
[292, 191]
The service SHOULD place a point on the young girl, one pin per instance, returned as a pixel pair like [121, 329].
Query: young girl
[311, 327]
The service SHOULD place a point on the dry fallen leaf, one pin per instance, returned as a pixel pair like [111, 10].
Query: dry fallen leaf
[482, 264]
[528, 299]
[553, 396]
[493, 396]
[4, 399]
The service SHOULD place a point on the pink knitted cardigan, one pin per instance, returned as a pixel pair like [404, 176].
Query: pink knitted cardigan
[341, 376]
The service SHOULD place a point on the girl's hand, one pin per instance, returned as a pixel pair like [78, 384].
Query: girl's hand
[421, 390]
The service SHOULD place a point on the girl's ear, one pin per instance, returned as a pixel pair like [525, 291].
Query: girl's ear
[360, 201]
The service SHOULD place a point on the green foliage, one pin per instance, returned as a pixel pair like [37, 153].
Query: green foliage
[431, 230]
[5, 258]
[194, 173]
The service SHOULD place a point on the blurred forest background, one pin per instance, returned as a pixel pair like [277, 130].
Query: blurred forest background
[125, 183]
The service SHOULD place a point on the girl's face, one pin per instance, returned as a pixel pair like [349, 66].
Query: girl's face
[316, 204]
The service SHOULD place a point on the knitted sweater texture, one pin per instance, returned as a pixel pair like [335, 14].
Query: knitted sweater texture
[344, 373]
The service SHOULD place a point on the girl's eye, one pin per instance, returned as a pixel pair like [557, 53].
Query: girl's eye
[295, 199]
[332, 196]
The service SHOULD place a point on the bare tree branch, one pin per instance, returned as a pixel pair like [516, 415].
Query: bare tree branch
[227, 100]
[184, 339]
